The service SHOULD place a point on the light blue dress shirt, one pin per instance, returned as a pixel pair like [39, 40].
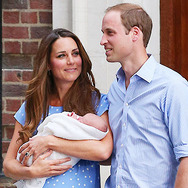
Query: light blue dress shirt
[149, 121]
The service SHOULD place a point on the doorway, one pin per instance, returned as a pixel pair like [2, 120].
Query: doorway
[174, 35]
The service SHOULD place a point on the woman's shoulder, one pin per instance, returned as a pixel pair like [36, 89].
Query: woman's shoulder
[103, 96]
[20, 114]
[103, 104]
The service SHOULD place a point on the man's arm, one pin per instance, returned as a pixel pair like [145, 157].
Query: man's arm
[182, 175]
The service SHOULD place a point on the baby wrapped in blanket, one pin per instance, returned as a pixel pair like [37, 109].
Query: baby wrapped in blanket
[66, 125]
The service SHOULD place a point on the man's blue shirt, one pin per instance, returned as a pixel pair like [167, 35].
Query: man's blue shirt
[149, 121]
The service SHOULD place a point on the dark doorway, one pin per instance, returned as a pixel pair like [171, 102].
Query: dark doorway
[174, 35]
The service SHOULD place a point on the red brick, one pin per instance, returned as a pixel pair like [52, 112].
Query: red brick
[3, 104]
[26, 75]
[13, 90]
[3, 133]
[11, 17]
[42, 4]
[12, 105]
[12, 47]
[29, 47]
[39, 32]
[11, 61]
[45, 17]
[15, 32]
[9, 132]
[5, 145]
[29, 17]
[14, 4]
[11, 76]
[8, 119]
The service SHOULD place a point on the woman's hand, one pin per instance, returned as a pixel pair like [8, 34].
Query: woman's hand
[36, 146]
[41, 167]
[46, 168]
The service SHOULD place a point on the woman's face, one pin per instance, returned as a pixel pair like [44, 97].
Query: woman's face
[65, 61]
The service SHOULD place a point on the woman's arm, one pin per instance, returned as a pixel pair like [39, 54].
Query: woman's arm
[40, 168]
[87, 149]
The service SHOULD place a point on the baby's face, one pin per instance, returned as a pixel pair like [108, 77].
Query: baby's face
[89, 119]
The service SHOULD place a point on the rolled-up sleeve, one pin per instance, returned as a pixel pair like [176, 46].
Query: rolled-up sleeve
[177, 114]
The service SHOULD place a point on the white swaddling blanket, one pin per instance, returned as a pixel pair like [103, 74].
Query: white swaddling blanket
[63, 126]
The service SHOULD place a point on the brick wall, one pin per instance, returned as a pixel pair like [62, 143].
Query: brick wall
[24, 22]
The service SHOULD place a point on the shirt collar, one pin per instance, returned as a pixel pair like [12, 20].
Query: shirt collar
[146, 72]
[120, 74]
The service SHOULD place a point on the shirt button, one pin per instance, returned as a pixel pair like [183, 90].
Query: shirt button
[124, 124]
[121, 145]
[118, 186]
[120, 166]
[126, 104]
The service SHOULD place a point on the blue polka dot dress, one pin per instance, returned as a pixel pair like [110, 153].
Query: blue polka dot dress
[85, 173]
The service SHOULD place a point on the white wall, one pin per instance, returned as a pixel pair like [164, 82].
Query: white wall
[84, 18]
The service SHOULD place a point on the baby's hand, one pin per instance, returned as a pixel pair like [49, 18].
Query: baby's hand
[73, 115]
[70, 114]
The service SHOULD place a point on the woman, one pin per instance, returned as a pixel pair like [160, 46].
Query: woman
[62, 81]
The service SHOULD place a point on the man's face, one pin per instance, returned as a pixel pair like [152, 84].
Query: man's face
[116, 42]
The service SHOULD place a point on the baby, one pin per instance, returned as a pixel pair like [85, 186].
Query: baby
[47, 127]
[91, 120]
[67, 125]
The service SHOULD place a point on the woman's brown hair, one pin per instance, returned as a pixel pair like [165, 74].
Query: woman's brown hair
[81, 98]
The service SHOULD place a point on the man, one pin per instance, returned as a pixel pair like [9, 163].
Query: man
[148, 110]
